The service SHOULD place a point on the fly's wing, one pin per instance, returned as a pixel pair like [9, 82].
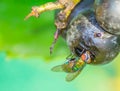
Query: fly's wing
[58, 68]
[72, 76]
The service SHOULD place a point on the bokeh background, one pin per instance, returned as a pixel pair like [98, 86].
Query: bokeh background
[25, 61]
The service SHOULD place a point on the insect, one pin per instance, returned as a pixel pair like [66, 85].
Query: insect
[87, 36]
[73, 66]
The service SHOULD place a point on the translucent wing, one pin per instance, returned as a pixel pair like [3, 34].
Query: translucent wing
[58, 68]
[72, 76]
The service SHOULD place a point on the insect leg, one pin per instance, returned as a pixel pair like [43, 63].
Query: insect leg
[79, 51]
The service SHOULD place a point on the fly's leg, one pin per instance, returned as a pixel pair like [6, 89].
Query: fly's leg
[79, 51]
[70, 56]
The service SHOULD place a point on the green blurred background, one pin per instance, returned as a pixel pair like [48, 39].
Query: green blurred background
[25, 61]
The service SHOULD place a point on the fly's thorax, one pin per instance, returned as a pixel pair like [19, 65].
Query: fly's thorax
[78, 65]
[73, 65]
[67, 66]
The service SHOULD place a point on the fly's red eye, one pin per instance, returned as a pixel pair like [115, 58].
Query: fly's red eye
[86, 57]
[83, 57]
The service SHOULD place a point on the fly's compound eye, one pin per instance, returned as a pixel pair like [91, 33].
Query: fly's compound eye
[86, 57]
